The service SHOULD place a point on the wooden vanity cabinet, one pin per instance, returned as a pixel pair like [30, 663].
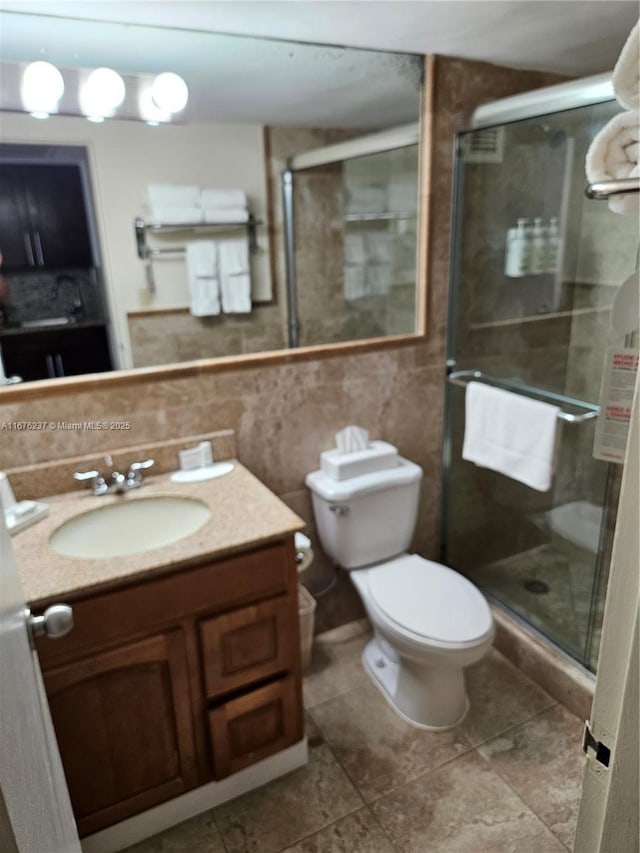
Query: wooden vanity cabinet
[167, 684]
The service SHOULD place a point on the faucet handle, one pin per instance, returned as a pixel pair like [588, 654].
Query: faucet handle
[86, 475]
[141, 466]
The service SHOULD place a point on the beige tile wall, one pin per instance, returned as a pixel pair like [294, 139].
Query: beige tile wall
[284, 414]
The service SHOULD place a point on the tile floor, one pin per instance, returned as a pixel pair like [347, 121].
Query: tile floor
[507, 780]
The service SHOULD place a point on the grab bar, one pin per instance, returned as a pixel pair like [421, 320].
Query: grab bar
[463, 377]
[604, 189]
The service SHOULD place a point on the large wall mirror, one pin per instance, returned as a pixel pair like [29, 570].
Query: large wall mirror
[278, 209]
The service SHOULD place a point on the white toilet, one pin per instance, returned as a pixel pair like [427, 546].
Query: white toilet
[429, 622]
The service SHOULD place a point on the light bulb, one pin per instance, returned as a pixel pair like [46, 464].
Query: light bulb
[169, 92]
[41, 89]
[102, 93]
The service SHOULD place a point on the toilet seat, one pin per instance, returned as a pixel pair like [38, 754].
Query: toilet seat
[430, 601]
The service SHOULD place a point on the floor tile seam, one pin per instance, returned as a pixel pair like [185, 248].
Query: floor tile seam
[417, 778]
[502, 732]
[220, 833]
[392, 843]
[340, 695]
[519, 796]
[331, 749]
[321, 828]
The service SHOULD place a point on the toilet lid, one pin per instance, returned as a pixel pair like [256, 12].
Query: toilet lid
[430, 600]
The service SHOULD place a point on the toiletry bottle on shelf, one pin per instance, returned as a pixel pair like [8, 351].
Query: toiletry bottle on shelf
[538, 248]
[552, 247]
[518, 252]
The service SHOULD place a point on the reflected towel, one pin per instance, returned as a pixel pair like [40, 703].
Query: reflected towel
[174, 215]
[379, 278]
[613, 154]
[225, 214]
[235, 278]
[202, 270]
[626, 74]
[223, 198]
[354, 282]
[511, 434]
[173, 195]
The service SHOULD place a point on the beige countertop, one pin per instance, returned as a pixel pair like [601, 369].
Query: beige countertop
[244, 514]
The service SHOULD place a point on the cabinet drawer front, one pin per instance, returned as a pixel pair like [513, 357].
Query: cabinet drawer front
[246, 645]
[254, 726]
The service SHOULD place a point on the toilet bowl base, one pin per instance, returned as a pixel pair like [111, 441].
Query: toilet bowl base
[425, 697]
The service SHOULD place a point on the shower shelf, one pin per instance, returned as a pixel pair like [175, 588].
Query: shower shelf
[463, 377]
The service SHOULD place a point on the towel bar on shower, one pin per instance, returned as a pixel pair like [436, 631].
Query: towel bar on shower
[463, 377]
[603, 190]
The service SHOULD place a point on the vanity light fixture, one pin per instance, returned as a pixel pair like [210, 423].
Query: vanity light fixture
[41, 89]
[101, 94]
[169, 92]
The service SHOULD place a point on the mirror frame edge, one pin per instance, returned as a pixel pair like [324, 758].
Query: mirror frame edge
[97, 381]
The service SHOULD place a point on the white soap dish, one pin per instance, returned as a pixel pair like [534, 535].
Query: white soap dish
[207, 472]
[23, 514]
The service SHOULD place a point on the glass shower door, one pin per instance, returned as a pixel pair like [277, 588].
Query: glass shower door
[536, 270]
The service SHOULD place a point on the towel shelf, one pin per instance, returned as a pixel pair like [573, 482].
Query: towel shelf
[463, 377]
[603, 190]
[145, 252]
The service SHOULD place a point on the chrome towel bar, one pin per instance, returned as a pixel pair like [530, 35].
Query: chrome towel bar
[463, 377]
[605, 189]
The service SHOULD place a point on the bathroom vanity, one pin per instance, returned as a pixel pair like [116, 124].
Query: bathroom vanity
[183, 665]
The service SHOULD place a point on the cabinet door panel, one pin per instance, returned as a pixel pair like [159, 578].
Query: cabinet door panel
[15, 241]
[254, 726]
[58, 215]
[246, 645]
[123, 724]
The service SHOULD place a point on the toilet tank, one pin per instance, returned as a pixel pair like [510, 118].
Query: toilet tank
[366, 519]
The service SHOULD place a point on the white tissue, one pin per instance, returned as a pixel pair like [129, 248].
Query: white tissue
[352, 438]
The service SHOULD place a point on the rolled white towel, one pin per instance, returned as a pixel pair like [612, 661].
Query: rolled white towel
[613, 154]
[210, 197]
[626, 74]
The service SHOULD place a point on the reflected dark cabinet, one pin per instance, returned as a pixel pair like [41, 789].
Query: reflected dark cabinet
[46, 354]
[43, 217]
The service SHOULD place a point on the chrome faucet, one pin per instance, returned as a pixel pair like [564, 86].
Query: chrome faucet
[115, 481]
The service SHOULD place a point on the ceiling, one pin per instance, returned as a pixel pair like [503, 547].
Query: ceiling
[572, 37]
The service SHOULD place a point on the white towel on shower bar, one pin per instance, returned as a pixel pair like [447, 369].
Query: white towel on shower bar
[511, 434]
[626, 74]
[613, 154]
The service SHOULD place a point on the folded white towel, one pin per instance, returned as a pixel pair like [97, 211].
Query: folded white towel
[173, 195]
[379, 247]
[365, 199]
[613, 154]
[174, 215]
[235, 277]
[202, 270]
[626, 74]
[223, 198]
[225, 214]
[354, 282]
[379, 278]
[511, 434]
[354, 248]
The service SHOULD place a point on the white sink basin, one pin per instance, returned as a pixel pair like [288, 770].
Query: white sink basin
[129, 527]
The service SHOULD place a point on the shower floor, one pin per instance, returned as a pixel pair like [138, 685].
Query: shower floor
[562, 611]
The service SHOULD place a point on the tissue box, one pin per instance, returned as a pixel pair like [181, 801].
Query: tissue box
[342, 466]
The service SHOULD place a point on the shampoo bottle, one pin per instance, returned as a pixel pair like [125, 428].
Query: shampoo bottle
[518, 250]
[552, 248]
[538, 248]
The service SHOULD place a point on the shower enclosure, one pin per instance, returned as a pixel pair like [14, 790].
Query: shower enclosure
[350, 223]
[530, 312]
